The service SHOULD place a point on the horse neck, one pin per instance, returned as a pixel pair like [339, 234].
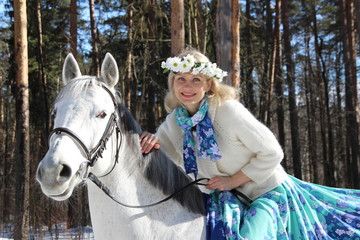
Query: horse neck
[134, 182]
[128, 183]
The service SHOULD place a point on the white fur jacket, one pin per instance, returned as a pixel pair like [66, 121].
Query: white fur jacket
[245, 144]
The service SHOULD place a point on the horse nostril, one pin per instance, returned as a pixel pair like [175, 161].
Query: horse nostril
[65, 171]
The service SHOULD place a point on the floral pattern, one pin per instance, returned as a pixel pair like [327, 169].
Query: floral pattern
[207, 145]
[294, 210]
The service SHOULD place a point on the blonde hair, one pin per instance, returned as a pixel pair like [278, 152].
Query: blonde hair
[218, 92]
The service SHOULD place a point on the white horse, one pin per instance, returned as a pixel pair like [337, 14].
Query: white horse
[95, 135]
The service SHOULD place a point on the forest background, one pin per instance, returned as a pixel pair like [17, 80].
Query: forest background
[295, 63]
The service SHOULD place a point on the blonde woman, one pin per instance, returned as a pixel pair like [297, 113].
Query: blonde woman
[212, 135]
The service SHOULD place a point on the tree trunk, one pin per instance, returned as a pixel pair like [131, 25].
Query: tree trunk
[357, 12]
[228, 38]
[235, 47]
[311, 116]
[152, 23]
[290, 78]
[22, 153]
[43, 81]
[202, 11]
[340, 140]
[325, 121]
[224, 37]
[177, 27]
[351, 102]
[3, 159]
[73, 27]
[8, 143]
[268, 76]
[278, 80]
[95, 51]
[127, 82]
[249, 92]
[189, 24]
[194, 14]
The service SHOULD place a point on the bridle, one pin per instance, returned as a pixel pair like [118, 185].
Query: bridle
[94, 154]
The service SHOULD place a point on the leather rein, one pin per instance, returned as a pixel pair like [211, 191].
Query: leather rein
[94, 154]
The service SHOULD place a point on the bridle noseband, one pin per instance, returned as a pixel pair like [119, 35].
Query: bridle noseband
[95, 153]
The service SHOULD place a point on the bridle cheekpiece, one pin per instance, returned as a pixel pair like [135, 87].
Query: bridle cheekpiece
[94, 154]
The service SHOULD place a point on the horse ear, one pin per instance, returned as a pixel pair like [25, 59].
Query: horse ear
[70, 70]
[109, 70]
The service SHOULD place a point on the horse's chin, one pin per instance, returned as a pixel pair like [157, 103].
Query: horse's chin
[63, 196]
[64, 191]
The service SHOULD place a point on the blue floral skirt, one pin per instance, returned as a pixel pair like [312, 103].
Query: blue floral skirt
[294, 210]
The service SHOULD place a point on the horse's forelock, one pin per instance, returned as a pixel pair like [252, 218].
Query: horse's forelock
[78, 87]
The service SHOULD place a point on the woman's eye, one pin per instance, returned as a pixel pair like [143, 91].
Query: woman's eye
[181, 79]
[196, 80]
[101, 115]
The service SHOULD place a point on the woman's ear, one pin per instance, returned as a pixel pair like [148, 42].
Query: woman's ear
[212, 87]
[209, 85]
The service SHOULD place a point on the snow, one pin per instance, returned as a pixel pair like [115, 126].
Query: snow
[59, 231]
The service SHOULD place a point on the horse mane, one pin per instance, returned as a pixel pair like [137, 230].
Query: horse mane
[161, 171]
[158, 169]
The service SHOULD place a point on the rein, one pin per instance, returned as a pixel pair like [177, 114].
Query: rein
[245, 199]
[106, 190]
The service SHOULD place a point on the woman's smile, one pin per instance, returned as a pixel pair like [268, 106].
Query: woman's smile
[190, 89]
[186, 94]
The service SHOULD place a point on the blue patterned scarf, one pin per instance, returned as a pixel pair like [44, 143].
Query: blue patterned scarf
[205, 137]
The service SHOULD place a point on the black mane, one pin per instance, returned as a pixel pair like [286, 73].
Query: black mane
[160, 171]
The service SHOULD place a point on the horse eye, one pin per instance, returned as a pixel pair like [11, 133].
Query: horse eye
[53, 115]
[101, 115]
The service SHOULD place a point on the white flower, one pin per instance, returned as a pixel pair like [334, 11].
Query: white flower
[174, 64]
[220, 74]
[163, 65]
[198, 69]
[208, 70]
[195, 71]
[185, 67]
[189, 59]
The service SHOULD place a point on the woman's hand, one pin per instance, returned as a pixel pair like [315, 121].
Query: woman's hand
[219, 183]
[222, 183]
[148, 141]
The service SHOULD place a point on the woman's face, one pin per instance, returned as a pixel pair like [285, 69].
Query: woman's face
[190, 89]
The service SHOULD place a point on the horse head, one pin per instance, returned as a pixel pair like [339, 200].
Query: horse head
[85, 113]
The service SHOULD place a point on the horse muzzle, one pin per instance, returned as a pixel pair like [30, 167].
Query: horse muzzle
[58, 178]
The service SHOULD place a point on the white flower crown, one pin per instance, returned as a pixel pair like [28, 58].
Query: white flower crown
[187, 64]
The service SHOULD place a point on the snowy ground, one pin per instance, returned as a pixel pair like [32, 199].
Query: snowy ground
[59, 231]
